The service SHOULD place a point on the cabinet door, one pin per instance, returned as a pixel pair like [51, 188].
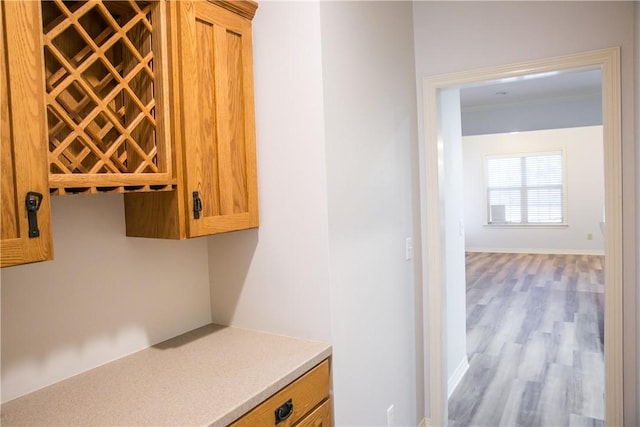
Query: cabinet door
[217, 119]
[320, 417]
[23, 135]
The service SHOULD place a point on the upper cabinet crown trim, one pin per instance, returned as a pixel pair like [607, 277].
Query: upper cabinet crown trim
[245, 8]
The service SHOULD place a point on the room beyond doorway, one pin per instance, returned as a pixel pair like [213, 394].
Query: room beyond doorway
[433, 234]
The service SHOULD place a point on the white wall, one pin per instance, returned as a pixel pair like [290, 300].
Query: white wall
[454, 239]
[103, 297]
[370, 116]
[584, 172]
[276, 278]
[331, 76]
[459, 36]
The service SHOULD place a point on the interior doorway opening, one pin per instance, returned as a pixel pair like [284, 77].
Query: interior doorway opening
[433, 172]
[533, 194]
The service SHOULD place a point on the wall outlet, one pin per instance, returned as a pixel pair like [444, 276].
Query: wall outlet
[589, 236]
[391, 422]
[408, 248]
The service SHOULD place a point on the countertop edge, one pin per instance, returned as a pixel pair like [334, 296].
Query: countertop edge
[263, 395]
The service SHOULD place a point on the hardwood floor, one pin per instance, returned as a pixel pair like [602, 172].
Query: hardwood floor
[534, 340]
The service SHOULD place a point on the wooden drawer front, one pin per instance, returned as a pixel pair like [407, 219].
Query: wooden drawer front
[305, 393]
[320, 417]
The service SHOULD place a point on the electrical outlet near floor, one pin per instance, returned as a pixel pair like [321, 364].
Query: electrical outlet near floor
[390, 417]
[589, 236]
[408, 248]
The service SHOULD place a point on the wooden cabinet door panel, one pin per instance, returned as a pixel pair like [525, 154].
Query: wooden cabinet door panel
[23, 135]
[218, 118]
[320, 417]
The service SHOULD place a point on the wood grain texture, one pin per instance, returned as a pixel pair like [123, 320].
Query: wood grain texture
[9, 212]
[237, 139]
[24, 149]
[153, 215]
[244, 8]
[305, 393]
[213, 128]
[106, 94]
[320, 417]
[534, 340]
[218, 122]
[205, 162]
[163, 215]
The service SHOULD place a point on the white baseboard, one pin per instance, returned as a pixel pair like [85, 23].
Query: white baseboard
[457, 375]
[426, 422]
[538, 251]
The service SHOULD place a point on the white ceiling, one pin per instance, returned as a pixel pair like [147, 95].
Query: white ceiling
[532, 88]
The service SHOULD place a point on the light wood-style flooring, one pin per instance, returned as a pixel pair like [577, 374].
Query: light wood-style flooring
[535, 342]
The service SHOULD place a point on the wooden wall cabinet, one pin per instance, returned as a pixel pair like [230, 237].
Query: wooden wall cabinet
[106, 95]
[84, 109]
[130, 96]
[213, 127]
[23, 136]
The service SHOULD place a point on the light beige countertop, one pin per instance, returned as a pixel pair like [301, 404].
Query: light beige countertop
[209, 376]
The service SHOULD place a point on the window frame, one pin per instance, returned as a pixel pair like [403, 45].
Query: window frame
[564, 194]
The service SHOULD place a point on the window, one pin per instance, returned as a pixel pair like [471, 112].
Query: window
[525, 189]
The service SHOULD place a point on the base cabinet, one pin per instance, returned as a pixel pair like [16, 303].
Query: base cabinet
[320, 417]
[304, 402]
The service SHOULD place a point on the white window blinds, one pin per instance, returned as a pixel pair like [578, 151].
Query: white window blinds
[525, 189]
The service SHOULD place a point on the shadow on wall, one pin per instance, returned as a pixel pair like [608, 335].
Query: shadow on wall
[189, 337]
[230, 258]
[104, 296]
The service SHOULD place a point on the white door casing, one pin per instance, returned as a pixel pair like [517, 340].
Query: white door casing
[432, 232]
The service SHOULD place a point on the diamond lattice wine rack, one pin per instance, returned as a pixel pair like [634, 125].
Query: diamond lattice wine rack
[106, 96]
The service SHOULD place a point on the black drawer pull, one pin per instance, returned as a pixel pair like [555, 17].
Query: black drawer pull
[284, 411]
